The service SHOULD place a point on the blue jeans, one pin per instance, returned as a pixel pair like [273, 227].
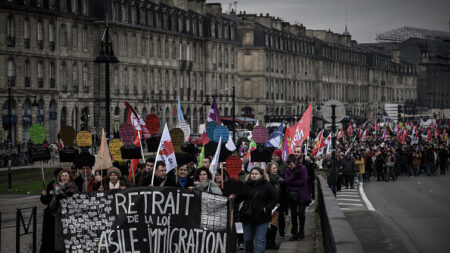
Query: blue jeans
[255, 236]
[360, 177]
[429, 165]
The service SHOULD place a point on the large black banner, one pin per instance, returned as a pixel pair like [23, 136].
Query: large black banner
[142, 219]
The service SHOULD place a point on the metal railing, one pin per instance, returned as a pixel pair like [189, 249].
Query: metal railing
[26, 227]
[337, 234]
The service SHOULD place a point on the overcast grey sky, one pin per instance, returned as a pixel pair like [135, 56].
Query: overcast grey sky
[364, 17]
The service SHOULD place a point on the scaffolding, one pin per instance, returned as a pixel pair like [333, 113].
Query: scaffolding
[404, 33]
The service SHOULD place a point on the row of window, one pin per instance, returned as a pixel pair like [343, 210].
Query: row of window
[41, 31]
[169, 19]
[40, 71]
[330, 51]
[75, 6]
[288, 43]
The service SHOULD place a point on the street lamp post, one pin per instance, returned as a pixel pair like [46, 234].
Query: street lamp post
[106, 56]
[9, 141]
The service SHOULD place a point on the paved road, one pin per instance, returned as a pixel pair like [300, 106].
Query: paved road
[419, 206]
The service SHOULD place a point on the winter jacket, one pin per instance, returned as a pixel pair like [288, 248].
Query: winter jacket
[297, 181]
[348, 167]
[262, 195]
[172, 181]
[327, 164]
[360, 165]
[279, 186]
[122, 182]
[282, 167]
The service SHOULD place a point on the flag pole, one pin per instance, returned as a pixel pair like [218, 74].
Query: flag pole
[43, 177]
[156, 159]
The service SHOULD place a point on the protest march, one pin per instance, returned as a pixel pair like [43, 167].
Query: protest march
[151, 189]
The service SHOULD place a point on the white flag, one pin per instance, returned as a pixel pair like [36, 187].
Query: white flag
[165, 151]
[230, 144]
[215, 160]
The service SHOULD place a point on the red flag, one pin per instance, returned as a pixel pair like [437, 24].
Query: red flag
[405, 134]
[319, 143]
[429, 135]
[134, 162]
[376, 127]
[443, 134]
[134, 119]
[340, 134]
[350, 130]
[300, 131]
[436, 133]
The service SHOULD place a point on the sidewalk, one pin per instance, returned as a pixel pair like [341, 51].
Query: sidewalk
[313, 236]
[35, 165]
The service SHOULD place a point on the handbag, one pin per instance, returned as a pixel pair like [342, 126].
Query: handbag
[246, 211]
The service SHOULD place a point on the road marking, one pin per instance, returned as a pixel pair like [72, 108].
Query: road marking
[365, 199]
[349, 200]
[350, 204]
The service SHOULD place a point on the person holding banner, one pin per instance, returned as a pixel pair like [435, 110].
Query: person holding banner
[114, 180]
[256, 212]
[203, 182]
[181, 178]
[160, 175]
[65, 187]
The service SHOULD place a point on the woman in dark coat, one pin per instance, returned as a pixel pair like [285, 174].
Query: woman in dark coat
[180, 178]
[259, 196]
[65, 187]
[113, 180]
[280, 191]
[48, 224]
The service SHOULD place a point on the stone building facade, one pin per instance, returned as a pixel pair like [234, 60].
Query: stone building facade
[166, 49]
[187, 49]
[283, 67]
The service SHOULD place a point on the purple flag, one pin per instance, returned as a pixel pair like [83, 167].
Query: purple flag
[384, 136]
[214, 113]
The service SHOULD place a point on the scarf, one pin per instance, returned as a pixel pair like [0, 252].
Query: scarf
[182, 181]
[116, 186]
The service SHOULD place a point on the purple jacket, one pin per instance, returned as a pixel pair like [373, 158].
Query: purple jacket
[298, 182]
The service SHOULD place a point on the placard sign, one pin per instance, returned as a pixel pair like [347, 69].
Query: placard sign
[185, 128]
[152, 123]
[67, 134]
[129, 151]
[40, 153]
[37, 134]
[210, 127]
[68, 154]
[221, 131]
[234, 166]
[142, 219]
[260, 134]
[126, 132]
[153, 143]
[114, 148]
[84, 139]
[177, 137]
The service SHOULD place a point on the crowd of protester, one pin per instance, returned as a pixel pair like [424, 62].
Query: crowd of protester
[263, 196]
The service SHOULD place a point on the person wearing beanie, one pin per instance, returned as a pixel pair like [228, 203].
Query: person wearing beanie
[114, 180]
[276, 157]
